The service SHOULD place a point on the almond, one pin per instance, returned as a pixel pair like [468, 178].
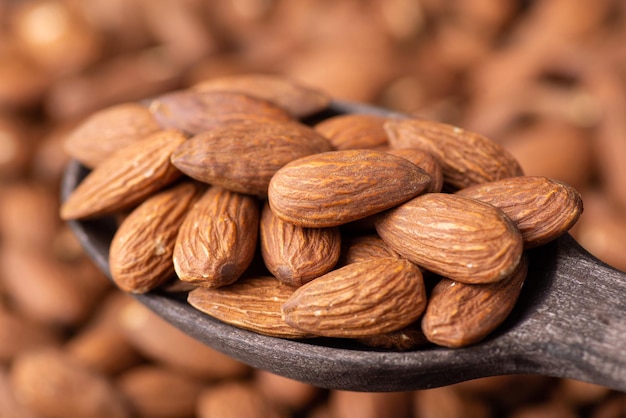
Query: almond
[460, 314]
[359, 300]
[253, 303]
[125, 178]
[296, 255]
[354, 131]
[454, 236]
[106, 131]
[194, 111]
[542, 209]
[140, 255]
[466, 157]
[333, 188]
[297, 99]
[364, 248]
[244, 156]
[426, 162]
[218, 238]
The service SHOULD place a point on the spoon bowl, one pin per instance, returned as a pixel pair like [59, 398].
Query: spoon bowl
[569, 322]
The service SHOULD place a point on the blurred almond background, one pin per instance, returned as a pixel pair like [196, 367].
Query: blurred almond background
[547, 79]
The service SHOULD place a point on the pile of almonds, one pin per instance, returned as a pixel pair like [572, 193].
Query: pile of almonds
[346, 228]
[544, 79]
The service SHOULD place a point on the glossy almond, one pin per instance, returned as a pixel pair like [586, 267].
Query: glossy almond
[466, 157]
[296, 98]
[354, 131]
[243, 157]
[460, 314]
[253, 303]
[297, 255]
[454, 236]
[194, 111]
[337, 187]
[218, 238]
[106, 131]
[359, 300]
[126, 178]
[140, 255]
[542, 209]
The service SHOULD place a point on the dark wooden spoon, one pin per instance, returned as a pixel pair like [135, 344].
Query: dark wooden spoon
[569, 322]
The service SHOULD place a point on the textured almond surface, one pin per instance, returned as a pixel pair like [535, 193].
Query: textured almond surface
[140, 255]
[364, 248]
[126, 178]
[243, 157]
[542, 209]
[359, 300]
[193, 111]
[253, 303]
[354, 131]
[106, 131]
[297, 99]
[296, 255]
[454, 236]
[466, 157]
[426, 161]
[218, 238]
[460, 314]
[337, 187]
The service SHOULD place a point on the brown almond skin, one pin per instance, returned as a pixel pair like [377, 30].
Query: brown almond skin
[460, 314]
[354, 131]
[218, 238]
[297, 99]
[244, 156]
[542, 209]
[364, 248]
[126, 178]
[334, 188]
[297, 255]
[140, 255]
[253, 303]
[106, 131]
[466, 157]
[359, 300]
[453, 236]
[194, 111]
[426, 162]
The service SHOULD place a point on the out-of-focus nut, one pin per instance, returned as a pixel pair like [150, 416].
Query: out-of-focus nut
[44, 289]
[552, 148]
[156, 339]
[50, 383]
[235, 400]
[284, 391]
[445, 402]
[28, 214]
[156, 392]
[348, 404]
[18, 334]
[101, 344]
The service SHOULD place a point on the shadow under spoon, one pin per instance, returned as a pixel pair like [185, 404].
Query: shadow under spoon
[569, 322]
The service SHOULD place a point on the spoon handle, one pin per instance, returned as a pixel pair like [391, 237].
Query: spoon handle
[578, 327]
